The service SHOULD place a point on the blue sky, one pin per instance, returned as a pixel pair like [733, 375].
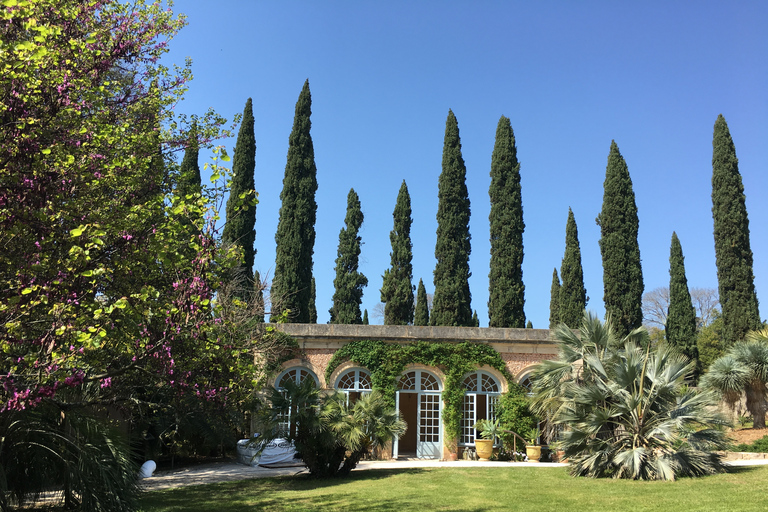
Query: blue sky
[571, 76]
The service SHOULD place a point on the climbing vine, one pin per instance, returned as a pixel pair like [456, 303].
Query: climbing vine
[387, 361]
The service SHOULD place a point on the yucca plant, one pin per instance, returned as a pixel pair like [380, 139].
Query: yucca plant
[625, 409]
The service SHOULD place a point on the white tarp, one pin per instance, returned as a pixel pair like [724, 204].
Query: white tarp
[277, 453]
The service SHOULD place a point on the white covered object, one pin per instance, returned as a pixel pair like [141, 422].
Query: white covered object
[279, 453]
[247, 452]
[147, 469]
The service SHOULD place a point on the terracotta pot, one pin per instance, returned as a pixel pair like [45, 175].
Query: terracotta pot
[484, 448]
[533, 453]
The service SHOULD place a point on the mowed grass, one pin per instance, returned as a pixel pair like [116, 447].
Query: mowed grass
[471, 489]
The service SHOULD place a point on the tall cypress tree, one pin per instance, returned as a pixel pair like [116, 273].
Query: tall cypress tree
[421, 316]
[573, 295]
[365, 317]
[295, 236]
[506, 289]
[397, 286]
[189, 181]
[259, 296]
[312, 303]
[622, 272]
[735, 278]
[554, 301]
[475, 319]
[451, 304]
[349, 281]
[241, 206]
[681, 316]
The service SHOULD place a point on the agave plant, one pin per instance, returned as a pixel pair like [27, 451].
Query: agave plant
[743, 371]
[625, 409]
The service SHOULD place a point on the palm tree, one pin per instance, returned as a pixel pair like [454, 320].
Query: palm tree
[624, 408]
[743, 371]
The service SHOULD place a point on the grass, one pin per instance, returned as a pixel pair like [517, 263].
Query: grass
[470, 490]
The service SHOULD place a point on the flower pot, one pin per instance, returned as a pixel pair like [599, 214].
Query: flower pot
[484, 448]
[533, 453]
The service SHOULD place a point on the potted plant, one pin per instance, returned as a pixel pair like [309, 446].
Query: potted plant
[532, 450]
[489, 431]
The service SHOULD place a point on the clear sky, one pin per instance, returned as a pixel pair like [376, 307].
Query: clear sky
[571, 76]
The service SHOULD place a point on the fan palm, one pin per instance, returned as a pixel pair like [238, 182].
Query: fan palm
[743, 370]
[624, 408]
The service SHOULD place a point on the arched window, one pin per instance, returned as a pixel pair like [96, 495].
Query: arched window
[354, 383]
[418, 380]
[481, 397]
[297, 375]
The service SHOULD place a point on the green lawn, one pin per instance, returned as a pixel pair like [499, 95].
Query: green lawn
[473, 490]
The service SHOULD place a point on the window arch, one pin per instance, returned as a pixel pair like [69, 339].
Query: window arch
[481, 398]
[354, 383]
[297, 375]
[419, 380]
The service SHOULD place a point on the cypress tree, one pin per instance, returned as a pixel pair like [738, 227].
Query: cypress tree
[451, 304]
[397, 286]
[312, 303]
[506, 289]
[573, 295]
[295, 236]
[554, 301]
[365, 317]
[529, 325]
[241, 206]
[475, 319]
[681, 316]
[421, 316]
[622, 272]
[259, 293]
[735, 278]
[189, 182]
[349, 283]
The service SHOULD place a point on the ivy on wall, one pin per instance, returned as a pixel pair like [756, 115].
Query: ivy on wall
[387, 361]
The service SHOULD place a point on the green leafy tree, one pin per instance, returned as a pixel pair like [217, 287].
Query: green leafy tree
[514, 414]
[622, 272]
[421, 316]
[554, 301]
[736, 281]
[681, 319]
[189, 182]
[573, 295]
[397, 286]
[349, 282]
[312, 303]
[295, 235]
[624, 409]
[506, 290]
[709, 341]
[451, 305]
[743, 373]
[241, 208]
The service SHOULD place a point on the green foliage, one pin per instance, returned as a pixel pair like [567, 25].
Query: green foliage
[386, 362]
[554, 301]
[397, 286]
[514, 413]
[189, 182]
[709, 342]
[241, 207]
[758, 446]
[681, 318]
[622, 272]
[743, 372]
[295, 236]
[624, 407]
[506, 290]
[451, 305]
[573, 295]
[736, 280]
[421, 316]
[331, 435]
[349, 282]
[313, 303]
[365, 317]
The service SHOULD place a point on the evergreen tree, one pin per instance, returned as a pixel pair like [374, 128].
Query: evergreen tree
[736, 281]
[554, 301]
[365, 317]
[506, 289]
[529, 325]
[622, 272]
[573, 295]
[349, 283]
[421, 316]
[681, 316]
[397, 287]
[475, 319]
[259, 297]
[451, 304]
[189, 181]
[312, 303]
[295, 237]
[241, 206]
